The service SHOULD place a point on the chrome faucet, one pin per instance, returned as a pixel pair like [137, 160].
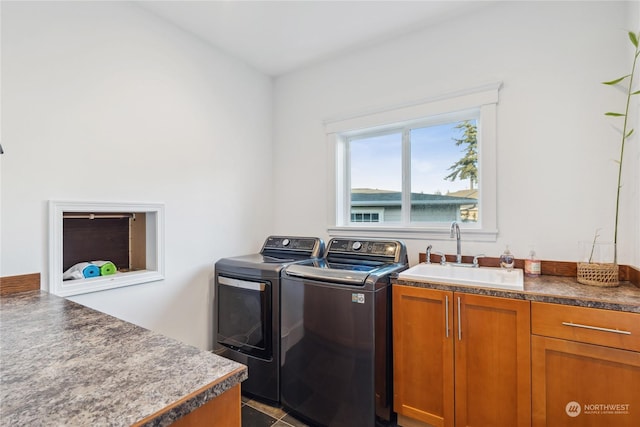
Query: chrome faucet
[456, 229]
[428, 254]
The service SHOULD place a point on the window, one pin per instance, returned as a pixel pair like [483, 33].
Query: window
[411, 170]
[442, 172]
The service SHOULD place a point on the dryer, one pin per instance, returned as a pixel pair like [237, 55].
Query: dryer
[247, 290]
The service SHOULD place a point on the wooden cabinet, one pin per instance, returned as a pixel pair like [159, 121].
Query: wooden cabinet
[460, 359]
[423, 355]
[223, 410]
[493, 361]
[586, 366]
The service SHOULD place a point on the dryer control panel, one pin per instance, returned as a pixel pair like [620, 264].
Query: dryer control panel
[312, 246]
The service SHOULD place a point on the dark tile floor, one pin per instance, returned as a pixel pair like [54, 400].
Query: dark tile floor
[259, 414]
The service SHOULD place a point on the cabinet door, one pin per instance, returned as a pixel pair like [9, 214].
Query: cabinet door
[423, 354]
[584, 385]
[492, 361]
[225, 409]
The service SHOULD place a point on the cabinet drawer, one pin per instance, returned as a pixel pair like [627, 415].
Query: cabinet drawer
[590, 325]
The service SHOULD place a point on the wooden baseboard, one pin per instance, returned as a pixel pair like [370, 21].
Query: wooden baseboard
[631, 274]
[21, 283]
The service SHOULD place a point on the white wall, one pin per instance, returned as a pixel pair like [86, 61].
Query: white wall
[556, 179]
[102, 101]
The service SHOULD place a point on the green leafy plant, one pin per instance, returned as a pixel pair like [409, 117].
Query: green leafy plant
[626, 82]
[467, 166]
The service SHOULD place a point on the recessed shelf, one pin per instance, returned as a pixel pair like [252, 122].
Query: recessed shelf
[128, 234]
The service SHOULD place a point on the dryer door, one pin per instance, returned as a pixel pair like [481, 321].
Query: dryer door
[244, 315]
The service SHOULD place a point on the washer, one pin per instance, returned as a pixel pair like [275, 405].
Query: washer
[336, 333]
[247, 290]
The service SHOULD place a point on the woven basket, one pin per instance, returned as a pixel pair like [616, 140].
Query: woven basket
[596, 274]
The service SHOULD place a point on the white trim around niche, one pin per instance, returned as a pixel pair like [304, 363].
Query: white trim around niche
[154, 247]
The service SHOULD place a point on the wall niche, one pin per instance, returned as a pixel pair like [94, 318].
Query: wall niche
[129, 235]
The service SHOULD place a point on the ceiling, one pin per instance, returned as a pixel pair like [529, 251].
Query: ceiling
[277, 37]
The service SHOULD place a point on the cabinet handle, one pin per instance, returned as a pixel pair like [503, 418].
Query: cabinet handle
[596, 328]
[446, 314]
[459, 322]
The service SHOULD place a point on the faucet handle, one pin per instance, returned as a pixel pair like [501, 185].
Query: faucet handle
[475, 260]
[443, 258]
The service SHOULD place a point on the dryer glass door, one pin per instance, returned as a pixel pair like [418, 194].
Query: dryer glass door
[244, 316]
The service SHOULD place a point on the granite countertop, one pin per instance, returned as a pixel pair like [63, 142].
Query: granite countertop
[554, 289]
[62, 363]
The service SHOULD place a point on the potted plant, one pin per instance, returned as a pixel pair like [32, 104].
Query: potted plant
[606, 274]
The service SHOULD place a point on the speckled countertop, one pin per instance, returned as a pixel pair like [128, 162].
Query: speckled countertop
[65, 364]
[555, 289]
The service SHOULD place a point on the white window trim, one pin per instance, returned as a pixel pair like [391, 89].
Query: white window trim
[485, 98]
[155, 248]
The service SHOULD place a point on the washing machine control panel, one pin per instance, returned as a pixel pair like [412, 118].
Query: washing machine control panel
[377, 248]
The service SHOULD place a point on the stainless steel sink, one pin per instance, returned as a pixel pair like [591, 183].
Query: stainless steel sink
[484, 277]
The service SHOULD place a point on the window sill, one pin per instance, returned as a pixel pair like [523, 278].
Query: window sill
[412, 233]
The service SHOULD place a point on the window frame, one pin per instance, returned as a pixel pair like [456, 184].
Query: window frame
[482, 100]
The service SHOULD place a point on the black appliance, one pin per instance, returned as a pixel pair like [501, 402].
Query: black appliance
[248, 309]
[336, 366]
